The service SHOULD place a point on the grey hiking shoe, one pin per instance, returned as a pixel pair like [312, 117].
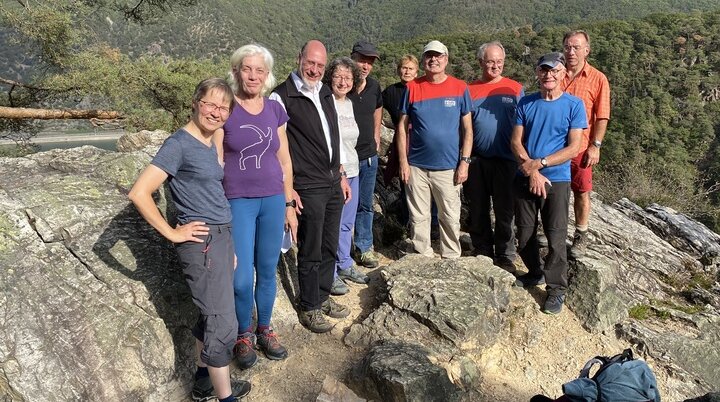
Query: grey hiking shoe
[203, 390]
[269, 343]
[339, 287]
[240, 388]
[580, 243]
[553, 304]
[244, 350]
[333, 309]
[528, 280]
[315, 321]
[353, 275]
[368, 259]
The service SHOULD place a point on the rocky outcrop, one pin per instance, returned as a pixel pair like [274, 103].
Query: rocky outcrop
[453, 305]
[665, 282]
[130, 142]
[677, 229]
[94, 306]
[399, 372]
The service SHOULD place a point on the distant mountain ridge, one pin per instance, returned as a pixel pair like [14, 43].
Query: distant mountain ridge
[214, 29]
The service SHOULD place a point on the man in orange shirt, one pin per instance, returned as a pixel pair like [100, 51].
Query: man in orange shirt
[590, 85]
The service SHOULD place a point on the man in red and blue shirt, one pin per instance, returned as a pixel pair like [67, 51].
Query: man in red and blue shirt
[434, 166]
[494, 100]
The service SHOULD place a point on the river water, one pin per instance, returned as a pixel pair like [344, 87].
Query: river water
[109, 145]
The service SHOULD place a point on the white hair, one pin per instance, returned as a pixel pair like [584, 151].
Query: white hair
[252, 50]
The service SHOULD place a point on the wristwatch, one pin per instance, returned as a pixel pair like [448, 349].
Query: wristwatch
[543, 162]
[597, 144]
[466, 159]
[291, 203]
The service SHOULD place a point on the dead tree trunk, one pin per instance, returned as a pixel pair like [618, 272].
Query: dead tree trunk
[55, 114]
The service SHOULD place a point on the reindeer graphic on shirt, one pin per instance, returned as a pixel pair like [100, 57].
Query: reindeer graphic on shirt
[257, 149]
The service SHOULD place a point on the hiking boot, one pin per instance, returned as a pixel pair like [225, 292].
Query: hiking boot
[240, 388]
[506, 264]
[315, 322]
[528, 280]
[339, 287]
[244, 350]
[203, 389]
[580, 243]
[269, 343]
[353, 275]
[333, 309]
[368, 259]
[553, 304]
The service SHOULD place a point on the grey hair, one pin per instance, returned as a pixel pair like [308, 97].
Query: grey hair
[347, 63]
[484, 46]
[251, 50]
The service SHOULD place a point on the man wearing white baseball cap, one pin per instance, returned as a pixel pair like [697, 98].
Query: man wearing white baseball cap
[438, 107]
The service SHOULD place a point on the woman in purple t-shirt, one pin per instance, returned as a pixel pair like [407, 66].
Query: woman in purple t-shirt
[258, 181]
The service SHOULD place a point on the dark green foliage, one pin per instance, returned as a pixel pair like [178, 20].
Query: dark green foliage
[661, 146]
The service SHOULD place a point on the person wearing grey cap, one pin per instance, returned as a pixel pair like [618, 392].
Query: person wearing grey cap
[437, 106]
[546, 136]
[367, 106]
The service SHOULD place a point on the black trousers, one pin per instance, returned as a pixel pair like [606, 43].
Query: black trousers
[554, 214]
[318, 233]
[491, 179]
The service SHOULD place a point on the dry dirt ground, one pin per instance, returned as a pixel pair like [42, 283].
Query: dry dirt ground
[538, 353]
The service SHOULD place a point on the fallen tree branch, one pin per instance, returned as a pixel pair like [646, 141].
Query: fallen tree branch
[55, 114]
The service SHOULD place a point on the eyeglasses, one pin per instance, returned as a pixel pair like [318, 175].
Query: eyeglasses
[576, 48]
[341, 78]
[438, 56]
[209, 107]
[491, 63]
[554, 72]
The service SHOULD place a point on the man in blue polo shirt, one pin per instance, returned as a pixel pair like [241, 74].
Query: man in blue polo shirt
[546, 136]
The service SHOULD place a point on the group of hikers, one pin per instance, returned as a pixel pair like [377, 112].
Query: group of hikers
[260, 164]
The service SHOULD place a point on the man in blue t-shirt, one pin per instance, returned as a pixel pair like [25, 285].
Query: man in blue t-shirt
[546, 136]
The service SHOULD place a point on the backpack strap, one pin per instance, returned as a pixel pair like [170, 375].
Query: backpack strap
[604, 362]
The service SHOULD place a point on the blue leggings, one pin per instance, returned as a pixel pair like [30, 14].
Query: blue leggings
[258, 226]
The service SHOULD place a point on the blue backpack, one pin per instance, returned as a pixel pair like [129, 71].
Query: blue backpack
[619, 379]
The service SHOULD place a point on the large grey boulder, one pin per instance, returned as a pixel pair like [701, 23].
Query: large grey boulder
[94, 306]
[401, 372]
[459, 303]
[453, 308]
[677, 229]
[628, 266]
[130, 142]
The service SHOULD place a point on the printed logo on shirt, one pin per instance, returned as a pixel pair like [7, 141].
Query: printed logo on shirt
[450, 102]
[257, 149]
[507, 99]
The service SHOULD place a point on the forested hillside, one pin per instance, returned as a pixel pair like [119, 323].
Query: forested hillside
[663, 68]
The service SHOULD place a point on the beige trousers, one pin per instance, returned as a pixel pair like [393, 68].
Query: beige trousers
[424, 186]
